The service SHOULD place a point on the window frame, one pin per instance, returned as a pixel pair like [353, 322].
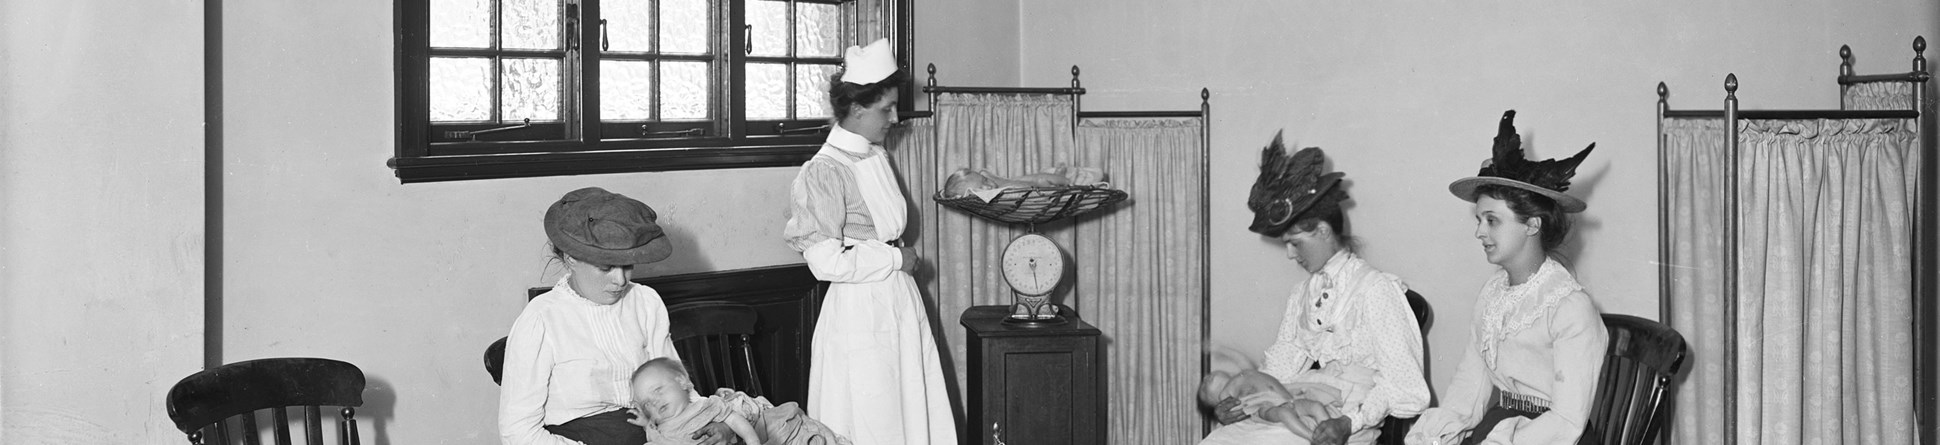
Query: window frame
[417, 158]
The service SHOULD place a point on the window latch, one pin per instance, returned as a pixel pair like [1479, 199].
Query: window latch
[782, 128]
[747, 39]
[472, 136]
[691, 132]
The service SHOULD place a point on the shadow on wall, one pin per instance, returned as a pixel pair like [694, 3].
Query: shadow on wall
[380, 407]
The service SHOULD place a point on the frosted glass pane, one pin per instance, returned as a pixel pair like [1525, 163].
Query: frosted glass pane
[629, 25]
[530, 24]
[812, 91]
[461, 23]
[626, 90]
[531, 90]
[683, 26]
[820, 33]
[461, 89]
[683, 90]
[767, 91]
[769, 20]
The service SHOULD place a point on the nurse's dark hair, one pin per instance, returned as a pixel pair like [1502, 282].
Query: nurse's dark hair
[1527, 204]
[842, 95]
[1334, 218]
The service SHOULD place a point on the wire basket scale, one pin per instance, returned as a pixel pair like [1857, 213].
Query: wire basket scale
[1034, 205]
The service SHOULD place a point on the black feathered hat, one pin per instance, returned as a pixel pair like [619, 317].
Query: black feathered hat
[1507, 167]
[1292, 186]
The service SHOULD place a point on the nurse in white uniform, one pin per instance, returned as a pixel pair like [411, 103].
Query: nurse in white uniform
[874, 373]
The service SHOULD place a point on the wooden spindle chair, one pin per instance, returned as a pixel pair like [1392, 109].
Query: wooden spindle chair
[1634, 394]
[716, 342]
[219, 406]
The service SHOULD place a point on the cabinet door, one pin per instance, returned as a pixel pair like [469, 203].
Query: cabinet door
[1041, 391]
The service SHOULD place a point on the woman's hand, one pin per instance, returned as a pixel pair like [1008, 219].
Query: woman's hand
[716, 433]
[910, 259]
[1228, 411]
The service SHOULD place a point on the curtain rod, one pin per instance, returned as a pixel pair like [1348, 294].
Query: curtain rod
[1799, 114]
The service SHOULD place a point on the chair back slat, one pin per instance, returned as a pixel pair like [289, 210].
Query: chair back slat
[206, 405]
[1632, 393]
[312, 425]
[249, 424]
[282, 415]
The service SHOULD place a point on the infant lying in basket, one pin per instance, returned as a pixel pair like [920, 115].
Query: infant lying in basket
[966, 181]
[669, 416]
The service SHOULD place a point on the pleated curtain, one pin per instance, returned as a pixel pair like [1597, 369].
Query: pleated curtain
[1142, 272]
[1823, 332]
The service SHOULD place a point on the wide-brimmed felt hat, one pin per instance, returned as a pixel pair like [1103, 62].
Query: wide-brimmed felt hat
[605, 228]
[1507, 167]
[1290, 187]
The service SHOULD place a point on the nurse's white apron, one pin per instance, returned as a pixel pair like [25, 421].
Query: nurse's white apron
[874, 374]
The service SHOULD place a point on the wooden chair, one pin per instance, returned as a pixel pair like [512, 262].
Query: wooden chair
[1634, 394]
[716, 342]
[714, 339]
[221, 403]
[1395, 428]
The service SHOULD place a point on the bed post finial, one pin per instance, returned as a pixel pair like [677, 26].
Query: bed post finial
[1074, 76]
[932, 70]
[1731, 86]
[1845, 60]
[1205, 95]
[1663, 92]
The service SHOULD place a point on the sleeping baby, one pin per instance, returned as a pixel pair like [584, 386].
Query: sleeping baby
[966, 181]
[665, 410]
[1263, 397]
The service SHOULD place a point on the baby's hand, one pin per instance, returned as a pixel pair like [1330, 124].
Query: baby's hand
[639, 417]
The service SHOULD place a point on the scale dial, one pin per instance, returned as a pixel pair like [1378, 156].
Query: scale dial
[1033, 265]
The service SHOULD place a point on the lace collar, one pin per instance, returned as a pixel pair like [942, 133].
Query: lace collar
[1502, 317]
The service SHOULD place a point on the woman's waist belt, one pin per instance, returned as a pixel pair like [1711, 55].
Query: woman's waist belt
[1519, 402]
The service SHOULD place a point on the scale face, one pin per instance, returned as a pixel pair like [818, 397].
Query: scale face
[1033, 266]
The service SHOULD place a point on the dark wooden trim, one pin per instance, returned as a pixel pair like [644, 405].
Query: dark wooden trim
[1002, 90]
[464, 167]
[1138, 114]
[1797, 114]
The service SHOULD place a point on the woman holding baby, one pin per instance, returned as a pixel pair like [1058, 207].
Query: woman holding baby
[571, 353]
[1348, 353]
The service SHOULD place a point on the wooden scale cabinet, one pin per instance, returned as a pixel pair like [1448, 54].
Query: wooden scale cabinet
[1032, 384]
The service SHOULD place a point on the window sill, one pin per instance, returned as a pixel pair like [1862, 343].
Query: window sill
[525, 165]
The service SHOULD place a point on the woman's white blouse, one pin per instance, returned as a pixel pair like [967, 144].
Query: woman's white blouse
[568, 357]
[1351, 318]
[1542, 339]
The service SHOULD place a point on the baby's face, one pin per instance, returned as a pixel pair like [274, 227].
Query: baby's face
[660, 394]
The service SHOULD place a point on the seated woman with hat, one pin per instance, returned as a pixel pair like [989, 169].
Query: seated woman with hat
[1529, 373]
[570, 357]
[1348, 338]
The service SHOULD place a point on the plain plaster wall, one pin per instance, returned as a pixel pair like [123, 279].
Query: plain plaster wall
[326, 254]
[101, 227]
[1404, 97]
